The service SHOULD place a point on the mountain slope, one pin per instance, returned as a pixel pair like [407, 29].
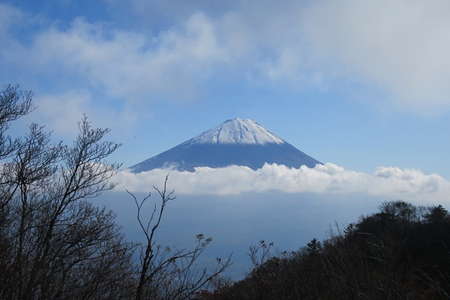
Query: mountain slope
[235, 142]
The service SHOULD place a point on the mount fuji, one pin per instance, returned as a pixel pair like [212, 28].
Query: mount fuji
[237, 141]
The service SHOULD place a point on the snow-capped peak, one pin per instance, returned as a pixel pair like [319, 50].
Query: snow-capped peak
[237, 131]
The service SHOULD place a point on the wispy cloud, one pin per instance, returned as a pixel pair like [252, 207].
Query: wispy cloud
[389, 182]
[174, 62]
[399, 48]
[131, 65]
[61, 113]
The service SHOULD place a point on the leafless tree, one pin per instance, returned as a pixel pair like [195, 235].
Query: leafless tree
[165, 273]
[54, 243]
[260, 253]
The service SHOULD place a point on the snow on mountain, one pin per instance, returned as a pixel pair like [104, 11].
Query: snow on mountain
[241, 142]
[237, 131]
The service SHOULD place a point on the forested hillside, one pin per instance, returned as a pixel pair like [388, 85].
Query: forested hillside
[401, 252]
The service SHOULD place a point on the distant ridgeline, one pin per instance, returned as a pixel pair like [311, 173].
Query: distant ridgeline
[241, 142]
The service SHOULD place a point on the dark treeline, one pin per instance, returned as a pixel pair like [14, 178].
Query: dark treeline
[55, 244]
[401, 252]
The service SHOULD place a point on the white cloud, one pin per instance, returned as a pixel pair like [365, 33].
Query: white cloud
[389, 182]
[132, 65]
[174, 62]
[399, 46]
[62, 112]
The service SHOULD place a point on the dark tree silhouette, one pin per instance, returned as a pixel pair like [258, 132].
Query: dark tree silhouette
[54, 243]
[400, 252]
[165, 273]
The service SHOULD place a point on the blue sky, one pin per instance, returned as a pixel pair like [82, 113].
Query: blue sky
[359, 84]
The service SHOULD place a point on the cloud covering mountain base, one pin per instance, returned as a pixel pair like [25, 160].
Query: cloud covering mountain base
[388, 182]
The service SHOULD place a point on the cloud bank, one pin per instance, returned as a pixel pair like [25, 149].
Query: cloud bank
[399, 48]
[388, 182]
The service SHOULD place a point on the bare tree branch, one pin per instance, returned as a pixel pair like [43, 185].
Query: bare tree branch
[169, 274]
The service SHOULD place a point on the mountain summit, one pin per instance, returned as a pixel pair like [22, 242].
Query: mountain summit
[237, 131]
[241, 142]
